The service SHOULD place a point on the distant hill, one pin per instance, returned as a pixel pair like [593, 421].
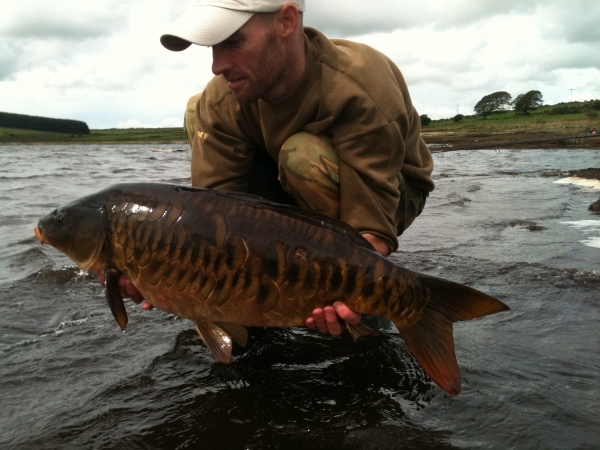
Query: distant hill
[24, 122]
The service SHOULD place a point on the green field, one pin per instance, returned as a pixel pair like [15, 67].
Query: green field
[537, 123]
[110, 136]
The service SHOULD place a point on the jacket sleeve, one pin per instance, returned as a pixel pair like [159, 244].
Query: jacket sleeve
[222, 150]
[369, 186]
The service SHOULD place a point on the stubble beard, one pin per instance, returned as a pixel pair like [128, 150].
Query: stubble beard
[268, 73]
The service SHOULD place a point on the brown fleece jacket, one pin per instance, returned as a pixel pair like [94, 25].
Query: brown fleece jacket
[350, 92]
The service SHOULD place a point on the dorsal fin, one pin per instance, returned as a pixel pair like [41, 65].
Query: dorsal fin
[307, 215]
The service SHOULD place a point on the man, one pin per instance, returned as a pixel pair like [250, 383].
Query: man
[329, 121]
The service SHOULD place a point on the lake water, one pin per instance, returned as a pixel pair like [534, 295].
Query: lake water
[497, 221]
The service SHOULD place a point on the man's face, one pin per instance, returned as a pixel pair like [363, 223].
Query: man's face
[251, 60]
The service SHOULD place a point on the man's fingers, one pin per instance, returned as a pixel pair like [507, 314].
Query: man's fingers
[333, 324]
[319, 318]
[327, 319]
[128, 290]
[123, 286]
[346, 313]
[147, 306]
[133, 293]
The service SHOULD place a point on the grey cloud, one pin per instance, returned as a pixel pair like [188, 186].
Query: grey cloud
[575, 22]
[37, 34]
[63, 29]
[18, 55]
[351, 18]
[344, 18]
[68, 21]
[8, 60]
[117, 80]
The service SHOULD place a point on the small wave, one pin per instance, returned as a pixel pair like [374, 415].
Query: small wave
[581, 182]
[72, 323]
[62, 275]
[187, 181]
[440, 145]
[166, 150]
[26, 177]
[20, 344]
[589, 226]
[310, 366]
[524, 224]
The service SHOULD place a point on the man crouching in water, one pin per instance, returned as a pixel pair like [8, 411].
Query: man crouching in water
[297, 118]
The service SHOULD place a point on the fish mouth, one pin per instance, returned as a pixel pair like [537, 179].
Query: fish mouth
[39, 235]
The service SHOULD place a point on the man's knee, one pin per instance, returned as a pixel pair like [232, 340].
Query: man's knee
[304, 151]
[309, 170]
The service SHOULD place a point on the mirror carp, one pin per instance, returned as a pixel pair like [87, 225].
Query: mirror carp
[228, 260]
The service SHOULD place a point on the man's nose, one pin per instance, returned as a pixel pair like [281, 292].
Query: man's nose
[221, 63]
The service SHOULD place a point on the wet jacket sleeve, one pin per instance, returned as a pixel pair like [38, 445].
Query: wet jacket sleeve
[369, 187]
[222, 151]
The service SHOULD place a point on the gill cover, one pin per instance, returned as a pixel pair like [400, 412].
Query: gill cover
[77, 229]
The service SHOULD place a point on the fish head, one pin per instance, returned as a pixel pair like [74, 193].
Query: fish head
[77, 229]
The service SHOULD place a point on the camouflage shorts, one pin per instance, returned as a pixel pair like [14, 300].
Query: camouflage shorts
[309, 171]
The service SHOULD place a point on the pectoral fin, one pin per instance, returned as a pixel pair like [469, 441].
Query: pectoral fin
[113, 296]
[237, 332]
[217, 340]
[360, 330]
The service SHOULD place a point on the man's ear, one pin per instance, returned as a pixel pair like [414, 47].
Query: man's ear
[288, 20]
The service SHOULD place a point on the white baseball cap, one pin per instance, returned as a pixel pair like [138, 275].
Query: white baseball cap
[208, 22]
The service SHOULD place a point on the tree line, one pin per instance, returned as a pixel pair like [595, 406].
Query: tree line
[25, 122]
[502, 101]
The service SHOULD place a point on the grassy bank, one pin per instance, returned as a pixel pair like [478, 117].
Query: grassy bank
[536, 121]
[471, 130]
[509, 126]
[110, 136]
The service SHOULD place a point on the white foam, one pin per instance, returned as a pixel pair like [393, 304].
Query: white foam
[581, 182]
[589, 226]
[592, 225]
[593, 242]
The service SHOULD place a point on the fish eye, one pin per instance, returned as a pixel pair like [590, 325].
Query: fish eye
[60, 216]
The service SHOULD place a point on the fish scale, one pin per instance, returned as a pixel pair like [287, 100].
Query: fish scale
[229, 260]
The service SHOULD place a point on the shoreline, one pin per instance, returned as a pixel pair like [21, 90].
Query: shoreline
[452, 141]
[7, 144]
[436, 141]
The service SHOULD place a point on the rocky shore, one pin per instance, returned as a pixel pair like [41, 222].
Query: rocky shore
[449, 141]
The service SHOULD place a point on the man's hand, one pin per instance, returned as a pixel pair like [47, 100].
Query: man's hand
[326, 319]
[128, 290]
[378, 243]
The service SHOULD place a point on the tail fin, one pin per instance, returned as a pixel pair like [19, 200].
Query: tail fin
[430, 339]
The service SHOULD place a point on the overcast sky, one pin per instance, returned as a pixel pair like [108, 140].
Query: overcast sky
[102, 61]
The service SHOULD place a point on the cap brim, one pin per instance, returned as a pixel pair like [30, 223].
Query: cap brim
[203, 25]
